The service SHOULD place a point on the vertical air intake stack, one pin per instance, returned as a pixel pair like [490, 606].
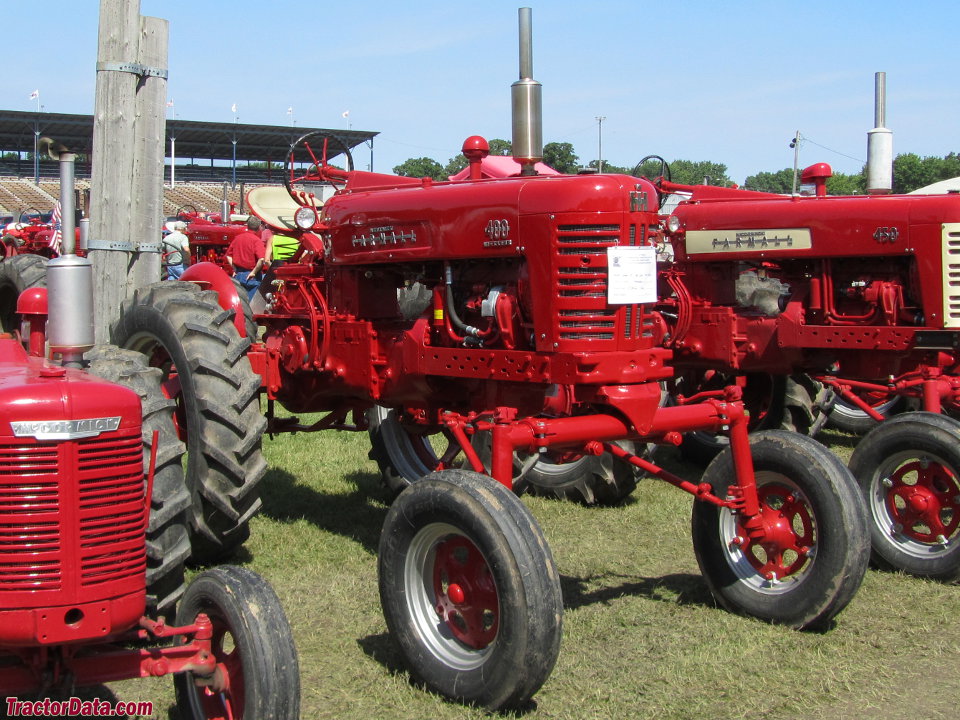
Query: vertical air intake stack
[527, 106]
[880, 144]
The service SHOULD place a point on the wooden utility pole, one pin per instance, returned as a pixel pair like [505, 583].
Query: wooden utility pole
[126, 187]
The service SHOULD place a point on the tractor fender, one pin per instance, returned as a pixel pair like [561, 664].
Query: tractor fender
[211, 276]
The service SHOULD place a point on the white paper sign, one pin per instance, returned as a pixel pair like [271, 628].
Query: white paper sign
[631, 275]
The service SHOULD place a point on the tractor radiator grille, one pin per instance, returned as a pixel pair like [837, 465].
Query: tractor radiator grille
[111, 508]
[74, 499]
[30, 547]
[581, 281]
[951, 275]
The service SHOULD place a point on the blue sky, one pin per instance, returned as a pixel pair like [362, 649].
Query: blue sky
[727, 82]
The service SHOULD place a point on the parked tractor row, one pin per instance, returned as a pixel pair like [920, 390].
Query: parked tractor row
[547, 333]
[490, 335]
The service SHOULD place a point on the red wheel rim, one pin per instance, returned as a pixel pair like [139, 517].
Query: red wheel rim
[225, 701]
[928, 509]
[788, 534]
[466, 595]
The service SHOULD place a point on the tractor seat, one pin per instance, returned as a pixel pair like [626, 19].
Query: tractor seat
[273, 205]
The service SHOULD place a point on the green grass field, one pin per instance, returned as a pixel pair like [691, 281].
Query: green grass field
[642, 638]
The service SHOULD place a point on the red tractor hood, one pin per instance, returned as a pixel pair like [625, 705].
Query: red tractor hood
[48, 402]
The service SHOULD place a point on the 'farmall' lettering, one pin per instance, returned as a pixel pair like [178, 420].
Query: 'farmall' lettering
[724, 241]
[382, 236]
[752, 239]
[64, 429]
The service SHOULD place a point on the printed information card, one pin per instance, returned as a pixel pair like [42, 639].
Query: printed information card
[631, 275]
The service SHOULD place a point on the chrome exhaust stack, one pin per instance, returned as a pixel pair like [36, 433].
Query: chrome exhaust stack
[69, 277]
[527, 106]
[880, 143]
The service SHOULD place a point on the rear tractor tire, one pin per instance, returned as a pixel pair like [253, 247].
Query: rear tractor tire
[587, 479]
[776, 402]
[908, 468]
[814, 551]
[469, 590]
[404, 454]
[846, 417]
[184, 331]
[18, 273]
[168, 543]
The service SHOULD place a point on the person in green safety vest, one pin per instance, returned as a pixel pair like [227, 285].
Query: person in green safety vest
[281, 248]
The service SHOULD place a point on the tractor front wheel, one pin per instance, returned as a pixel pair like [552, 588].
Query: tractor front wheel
[183, 330]
[908, 468]
[257, 673]
[469, 590]
[802, 559]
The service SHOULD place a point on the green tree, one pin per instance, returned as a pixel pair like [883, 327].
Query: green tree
[695, 172]
[951, 166]
[500, 147]
[910, 171]
[561, 157]
[609, 168]
[773, 182]
[454, 165]
[420, 167]
[843, 184]
[688, 172]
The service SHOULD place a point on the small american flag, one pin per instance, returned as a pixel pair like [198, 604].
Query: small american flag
[55, 236]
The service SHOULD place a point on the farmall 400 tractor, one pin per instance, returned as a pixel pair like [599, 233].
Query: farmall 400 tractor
[515, 319]
[93, 534]
[861, 292]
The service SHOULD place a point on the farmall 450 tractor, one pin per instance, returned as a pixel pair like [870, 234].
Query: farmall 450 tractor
[93, 532]
[861, 292]
[516, 320]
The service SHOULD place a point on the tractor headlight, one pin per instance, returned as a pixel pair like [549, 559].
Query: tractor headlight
[674, 224]
[305, 218]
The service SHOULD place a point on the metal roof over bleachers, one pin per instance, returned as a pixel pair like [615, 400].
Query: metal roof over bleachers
[194, 139]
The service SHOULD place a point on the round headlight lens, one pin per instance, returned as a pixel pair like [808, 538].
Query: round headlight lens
[305, 218]
[674, 224]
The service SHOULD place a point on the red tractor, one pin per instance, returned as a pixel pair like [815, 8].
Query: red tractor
[209, 235]
[93, 535]
[862, 293]
[23, 261]
[491, 334]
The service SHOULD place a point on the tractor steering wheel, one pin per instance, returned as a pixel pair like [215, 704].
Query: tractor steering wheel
[658, 181]
[28, 213]
[664, 168]
[187, 210]
[302, 151]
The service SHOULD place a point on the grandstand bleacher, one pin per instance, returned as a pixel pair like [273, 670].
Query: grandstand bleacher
[18, 195]
[212, 158]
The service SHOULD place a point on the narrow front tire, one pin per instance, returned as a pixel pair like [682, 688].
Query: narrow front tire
[908, 468]
[469, 590]
[812, 551]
